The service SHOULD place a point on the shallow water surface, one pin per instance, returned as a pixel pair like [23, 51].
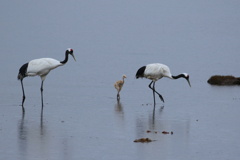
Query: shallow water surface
[82, 118]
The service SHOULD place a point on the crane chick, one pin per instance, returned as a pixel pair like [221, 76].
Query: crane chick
[118, 85]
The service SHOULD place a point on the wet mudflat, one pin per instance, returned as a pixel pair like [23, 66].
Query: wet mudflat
[82, 118]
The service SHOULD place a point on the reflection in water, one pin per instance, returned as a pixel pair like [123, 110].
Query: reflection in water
[119, 114]
[151, 123]
[22, 135]
[21, 128]
[119, 107]
[42, 128]
[35, 141]
[152, 117]
[29, 139]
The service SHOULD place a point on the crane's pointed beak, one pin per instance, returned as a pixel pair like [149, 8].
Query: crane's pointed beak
[189, 82]
[73, 57]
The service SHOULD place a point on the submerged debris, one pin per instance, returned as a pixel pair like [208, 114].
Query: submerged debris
[163, 132]
[143, 140]
[224, 80]
[148, 131]
[147, 104]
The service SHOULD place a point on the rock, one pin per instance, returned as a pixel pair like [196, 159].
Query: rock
[224, 80]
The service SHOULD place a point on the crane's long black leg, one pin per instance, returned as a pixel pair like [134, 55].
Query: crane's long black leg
[153, 88]
[154, 95]
[42, 94]
[118, 96]
[23, 98]
[150, 85]
[160, 96]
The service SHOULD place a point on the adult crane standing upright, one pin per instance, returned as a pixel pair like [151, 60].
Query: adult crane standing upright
[40, 67]
[156, 71]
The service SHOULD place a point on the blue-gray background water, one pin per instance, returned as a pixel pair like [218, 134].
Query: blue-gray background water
[82, 118]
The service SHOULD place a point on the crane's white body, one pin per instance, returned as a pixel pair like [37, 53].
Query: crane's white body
[42, 67]
[156, 71]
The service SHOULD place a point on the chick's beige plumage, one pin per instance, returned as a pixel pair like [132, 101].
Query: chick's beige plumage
[118, 85]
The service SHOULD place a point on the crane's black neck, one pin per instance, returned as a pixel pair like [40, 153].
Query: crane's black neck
[179, 76]
[66, 58]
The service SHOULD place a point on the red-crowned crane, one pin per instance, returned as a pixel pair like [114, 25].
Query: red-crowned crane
[156, 71]
[41, 67]
[118, 85]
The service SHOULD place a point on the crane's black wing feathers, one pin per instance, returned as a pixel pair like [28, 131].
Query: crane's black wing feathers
[22, 71]
[140, 72]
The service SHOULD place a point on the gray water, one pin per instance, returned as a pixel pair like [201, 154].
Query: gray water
[82, 118]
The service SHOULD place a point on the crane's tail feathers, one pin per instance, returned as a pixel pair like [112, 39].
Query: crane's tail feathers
[22, 71]
[19, 77]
